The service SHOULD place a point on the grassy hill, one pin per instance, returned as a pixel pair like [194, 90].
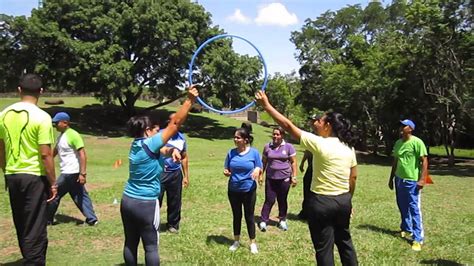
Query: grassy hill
[206, 231]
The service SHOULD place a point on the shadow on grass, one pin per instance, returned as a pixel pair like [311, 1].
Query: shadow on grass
[123, 264]
[222, 240]
[63, 219]
[377, 229]
[110, 121]
[440, 262]
[13, 263]
[369, 158]
[460, 170]
[295, 217]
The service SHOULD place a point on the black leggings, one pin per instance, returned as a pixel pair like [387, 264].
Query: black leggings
[247, 199]
[141, 219]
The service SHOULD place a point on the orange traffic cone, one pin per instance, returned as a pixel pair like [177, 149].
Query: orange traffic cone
[428, 180]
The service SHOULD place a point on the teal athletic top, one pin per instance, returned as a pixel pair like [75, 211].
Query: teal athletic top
[146, 166]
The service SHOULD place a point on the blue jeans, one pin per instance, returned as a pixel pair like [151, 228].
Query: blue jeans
[67, 183]
[409, 204]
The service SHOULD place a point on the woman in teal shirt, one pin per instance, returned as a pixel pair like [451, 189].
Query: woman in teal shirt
[139, 208]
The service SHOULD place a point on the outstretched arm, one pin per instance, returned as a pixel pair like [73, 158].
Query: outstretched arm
[178, 119]
[281, 120]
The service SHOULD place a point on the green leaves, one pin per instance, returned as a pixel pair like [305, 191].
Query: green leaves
[377, 65]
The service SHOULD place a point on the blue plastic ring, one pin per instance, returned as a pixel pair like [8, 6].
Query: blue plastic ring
[190, 77]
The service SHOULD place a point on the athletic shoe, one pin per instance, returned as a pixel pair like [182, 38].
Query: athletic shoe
[234, 246]
[416, 246]
[263, 226]
[283, 225]
[93, 223]
[253, 248]
[173, 230]
[405, 234]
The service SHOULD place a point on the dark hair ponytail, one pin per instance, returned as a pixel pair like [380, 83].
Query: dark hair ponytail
[245, 134]
[341, 128]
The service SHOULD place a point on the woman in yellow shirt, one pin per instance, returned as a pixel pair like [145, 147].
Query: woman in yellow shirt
[334, 176]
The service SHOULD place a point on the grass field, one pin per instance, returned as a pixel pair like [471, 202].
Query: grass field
[206, 233]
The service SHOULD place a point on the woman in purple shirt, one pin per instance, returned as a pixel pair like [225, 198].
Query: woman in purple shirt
[243, 166]
[279, 163]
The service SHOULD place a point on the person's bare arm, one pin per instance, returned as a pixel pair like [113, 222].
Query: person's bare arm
[83, 166]
[185, 167]
[178, 119]
[392, 173]
[264, 165]
[424, 172]
[3, 161]
[294, 171]
[55, 151]
[303, 160]
[280, 119]
[46, 153]
[352, 180]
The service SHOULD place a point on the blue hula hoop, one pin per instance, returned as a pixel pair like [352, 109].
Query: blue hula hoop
[191, 64]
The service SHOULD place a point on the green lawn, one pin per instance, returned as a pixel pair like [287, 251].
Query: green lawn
[206, 231]
[464, 153]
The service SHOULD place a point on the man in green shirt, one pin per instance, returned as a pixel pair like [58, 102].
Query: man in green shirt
[26, 159]
[409, 169]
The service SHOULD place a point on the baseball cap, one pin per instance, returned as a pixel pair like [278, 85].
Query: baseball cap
[61, 116]
[408, 122]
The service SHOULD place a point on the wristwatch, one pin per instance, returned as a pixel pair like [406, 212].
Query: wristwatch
[83, 174]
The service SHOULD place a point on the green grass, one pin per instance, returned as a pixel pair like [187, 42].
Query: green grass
[206, 231]
[464, 153]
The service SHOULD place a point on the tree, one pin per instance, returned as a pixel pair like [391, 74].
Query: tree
[115, 49]
[378, 65]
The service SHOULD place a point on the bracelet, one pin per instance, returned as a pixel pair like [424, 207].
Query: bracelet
[83, 174]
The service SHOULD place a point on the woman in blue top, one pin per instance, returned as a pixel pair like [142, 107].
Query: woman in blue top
[140, 209]
[243, 166]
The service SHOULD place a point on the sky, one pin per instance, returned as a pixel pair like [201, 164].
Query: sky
[267, 24]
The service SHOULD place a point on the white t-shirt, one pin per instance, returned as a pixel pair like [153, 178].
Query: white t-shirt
[68, 144]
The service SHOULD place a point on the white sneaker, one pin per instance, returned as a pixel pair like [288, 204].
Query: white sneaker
[234, 246]
[253, 248]
[263, 226]
[283, 225]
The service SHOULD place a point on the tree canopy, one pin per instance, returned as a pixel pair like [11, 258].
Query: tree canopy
[380, 64]
[119, 49]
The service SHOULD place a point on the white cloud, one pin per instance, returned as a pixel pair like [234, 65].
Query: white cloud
[238, 17]
[275, 14]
